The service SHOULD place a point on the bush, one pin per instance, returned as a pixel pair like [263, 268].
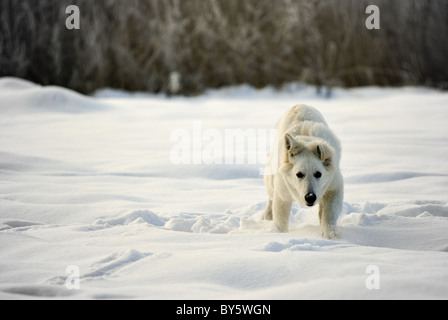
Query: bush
[139, 45]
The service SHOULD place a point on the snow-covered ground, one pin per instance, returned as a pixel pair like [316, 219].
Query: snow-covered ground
[90, 187]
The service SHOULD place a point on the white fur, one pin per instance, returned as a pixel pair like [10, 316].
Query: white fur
[306, 146]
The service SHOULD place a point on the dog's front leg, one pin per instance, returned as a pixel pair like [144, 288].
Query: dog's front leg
[267, 215]
[329, 210]
[280, 212]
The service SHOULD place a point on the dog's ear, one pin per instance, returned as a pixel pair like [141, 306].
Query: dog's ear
[325, 153]
[293, 146]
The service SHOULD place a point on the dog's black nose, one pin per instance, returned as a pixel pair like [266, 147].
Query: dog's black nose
[310, 198]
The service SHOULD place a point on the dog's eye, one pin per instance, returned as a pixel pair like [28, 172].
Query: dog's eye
[318, 174]
[300, 175]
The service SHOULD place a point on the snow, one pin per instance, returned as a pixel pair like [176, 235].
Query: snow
[88, 182]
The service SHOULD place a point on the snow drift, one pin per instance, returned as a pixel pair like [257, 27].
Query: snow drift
[88, 182]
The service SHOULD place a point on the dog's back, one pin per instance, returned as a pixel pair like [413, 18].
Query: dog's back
[303, 120]
[297, 114]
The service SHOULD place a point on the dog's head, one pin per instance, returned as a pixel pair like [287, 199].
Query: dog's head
[307, 168]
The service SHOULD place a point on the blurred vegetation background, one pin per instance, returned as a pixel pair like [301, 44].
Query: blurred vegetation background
[187, 46]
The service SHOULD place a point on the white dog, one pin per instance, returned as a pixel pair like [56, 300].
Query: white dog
[308, 170]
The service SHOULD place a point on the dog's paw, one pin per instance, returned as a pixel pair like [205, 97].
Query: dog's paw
[330, 234]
